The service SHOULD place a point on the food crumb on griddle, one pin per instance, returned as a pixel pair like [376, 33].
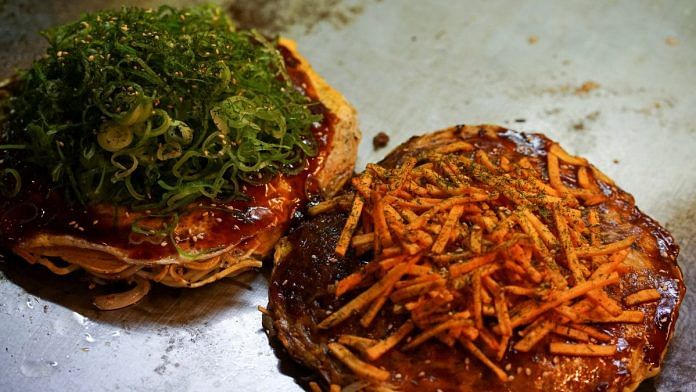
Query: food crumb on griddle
[672, 41]
[533, 39]
[380, 141]
[586, 87]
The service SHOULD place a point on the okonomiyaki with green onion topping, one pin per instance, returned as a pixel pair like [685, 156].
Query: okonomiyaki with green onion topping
[164, 145]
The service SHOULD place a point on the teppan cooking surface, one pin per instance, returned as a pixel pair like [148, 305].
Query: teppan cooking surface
[409, 68]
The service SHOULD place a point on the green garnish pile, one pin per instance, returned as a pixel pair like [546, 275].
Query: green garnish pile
[153, 109]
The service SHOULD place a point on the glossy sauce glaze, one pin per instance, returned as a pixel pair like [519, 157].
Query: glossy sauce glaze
[300, 297]
[42, 209]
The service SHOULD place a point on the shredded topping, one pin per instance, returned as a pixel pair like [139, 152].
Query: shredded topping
[484, 252]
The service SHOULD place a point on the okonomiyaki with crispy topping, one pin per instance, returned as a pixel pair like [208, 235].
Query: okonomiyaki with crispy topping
[478, 259]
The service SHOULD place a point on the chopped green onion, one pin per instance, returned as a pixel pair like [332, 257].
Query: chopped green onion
[10, 188]
[153, 109]
[114, 137]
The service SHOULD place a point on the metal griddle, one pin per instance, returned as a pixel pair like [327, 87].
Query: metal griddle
[408, 68]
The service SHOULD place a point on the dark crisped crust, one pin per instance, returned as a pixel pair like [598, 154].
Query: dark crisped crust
[314, 267]
[300, 299]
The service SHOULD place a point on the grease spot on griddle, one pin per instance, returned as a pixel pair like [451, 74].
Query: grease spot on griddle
[162, 368]
[679, 363]
[273, 17]
[582, 124]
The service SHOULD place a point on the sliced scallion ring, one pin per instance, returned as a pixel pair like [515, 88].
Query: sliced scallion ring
[113, 137]
[10, 190]
[139, 113]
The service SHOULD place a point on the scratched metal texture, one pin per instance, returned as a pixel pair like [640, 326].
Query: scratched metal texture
[409, 68]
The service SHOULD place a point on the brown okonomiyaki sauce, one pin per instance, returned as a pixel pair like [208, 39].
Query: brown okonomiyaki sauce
[41, 209]
[300, 297]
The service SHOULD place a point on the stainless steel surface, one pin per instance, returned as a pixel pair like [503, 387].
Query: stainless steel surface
[408, 67]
